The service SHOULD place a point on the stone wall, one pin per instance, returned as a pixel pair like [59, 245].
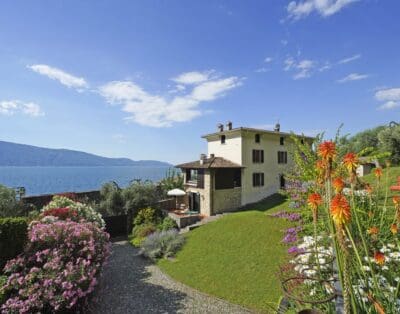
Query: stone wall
[226, 200]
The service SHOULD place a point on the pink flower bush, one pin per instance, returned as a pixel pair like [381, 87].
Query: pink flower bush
[73, 210]
[58, 269]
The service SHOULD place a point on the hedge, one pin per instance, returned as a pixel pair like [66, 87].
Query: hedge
[13, 236]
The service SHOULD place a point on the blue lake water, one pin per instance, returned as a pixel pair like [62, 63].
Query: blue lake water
[44, 180]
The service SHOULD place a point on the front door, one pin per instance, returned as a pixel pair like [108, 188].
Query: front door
[194, 202]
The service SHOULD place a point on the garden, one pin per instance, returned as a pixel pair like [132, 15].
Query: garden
[51, 258]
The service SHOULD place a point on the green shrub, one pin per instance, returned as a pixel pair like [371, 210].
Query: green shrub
[168, 223]
[9, 206]
[140, 232]
[148, 215]
[162, 244]
[13, 236]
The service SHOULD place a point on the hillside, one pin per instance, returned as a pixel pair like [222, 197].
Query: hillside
[18, 155]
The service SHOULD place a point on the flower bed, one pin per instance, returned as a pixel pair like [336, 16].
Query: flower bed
[60, 263]
[349, 236]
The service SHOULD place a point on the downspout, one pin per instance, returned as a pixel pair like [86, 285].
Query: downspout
[211, 192]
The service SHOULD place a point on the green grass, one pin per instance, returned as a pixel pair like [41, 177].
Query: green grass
[236, 257]
[388, 179]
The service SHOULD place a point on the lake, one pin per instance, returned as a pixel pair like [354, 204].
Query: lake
[48, 180]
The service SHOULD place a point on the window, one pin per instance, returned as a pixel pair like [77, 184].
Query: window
[258, 155]
[258, 179]
[195, 177]
[257, 138]
[223, 139]
[282, 140]
[282, 157]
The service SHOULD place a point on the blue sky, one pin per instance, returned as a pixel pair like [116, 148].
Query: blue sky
[145, 79]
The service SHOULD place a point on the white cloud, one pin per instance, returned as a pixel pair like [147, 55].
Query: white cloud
[389, 105]
[11, 107]
[349, 59]
[190, 78]
[158, 111]
[119, 138]
[390, 97]
[262, 70]
[388, 94]
[302, 68]
[268, 60]
[63, 77]
[300, 9]
[353, 77]
[327, 66]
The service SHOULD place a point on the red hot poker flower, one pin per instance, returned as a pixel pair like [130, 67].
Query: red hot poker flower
[338, 185]
[327, 150]
[379, 258]
[350, 161]
[394, 229]
[340, 210]
[378, 172]
[314, 200]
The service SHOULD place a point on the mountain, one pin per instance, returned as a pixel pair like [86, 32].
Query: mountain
[12, 154]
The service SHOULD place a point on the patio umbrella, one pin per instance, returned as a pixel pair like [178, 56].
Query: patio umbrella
[176, 193]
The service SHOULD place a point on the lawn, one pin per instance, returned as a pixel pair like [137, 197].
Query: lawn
[236, 257]
[388, 179]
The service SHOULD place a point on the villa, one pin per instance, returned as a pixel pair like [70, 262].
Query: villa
[242, 166]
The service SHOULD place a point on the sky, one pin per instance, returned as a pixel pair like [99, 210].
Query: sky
[145, 79]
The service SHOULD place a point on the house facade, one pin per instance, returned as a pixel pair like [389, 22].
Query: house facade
[242, 166]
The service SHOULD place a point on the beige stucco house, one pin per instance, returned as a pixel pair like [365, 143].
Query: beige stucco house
[242, 166]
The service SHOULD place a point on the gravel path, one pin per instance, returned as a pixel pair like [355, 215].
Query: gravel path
[131, 284]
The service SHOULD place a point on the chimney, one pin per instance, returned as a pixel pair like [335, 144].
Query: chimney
[220, 127]
[203, 157]
[277, 127]
[229, 125]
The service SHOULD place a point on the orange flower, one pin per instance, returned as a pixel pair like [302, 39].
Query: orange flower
[396, 201]
[378, 172]
[393, 228]
[379, 258]
[350, 161]
[327, 150]
[368, 188]
[314, 200]
[373, 230]
[338, 185]
[340, 210]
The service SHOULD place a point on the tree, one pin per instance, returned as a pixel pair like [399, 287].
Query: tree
[140, 194]
[111, 203]
[173, 180]
[389, 140]
[9, 206]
